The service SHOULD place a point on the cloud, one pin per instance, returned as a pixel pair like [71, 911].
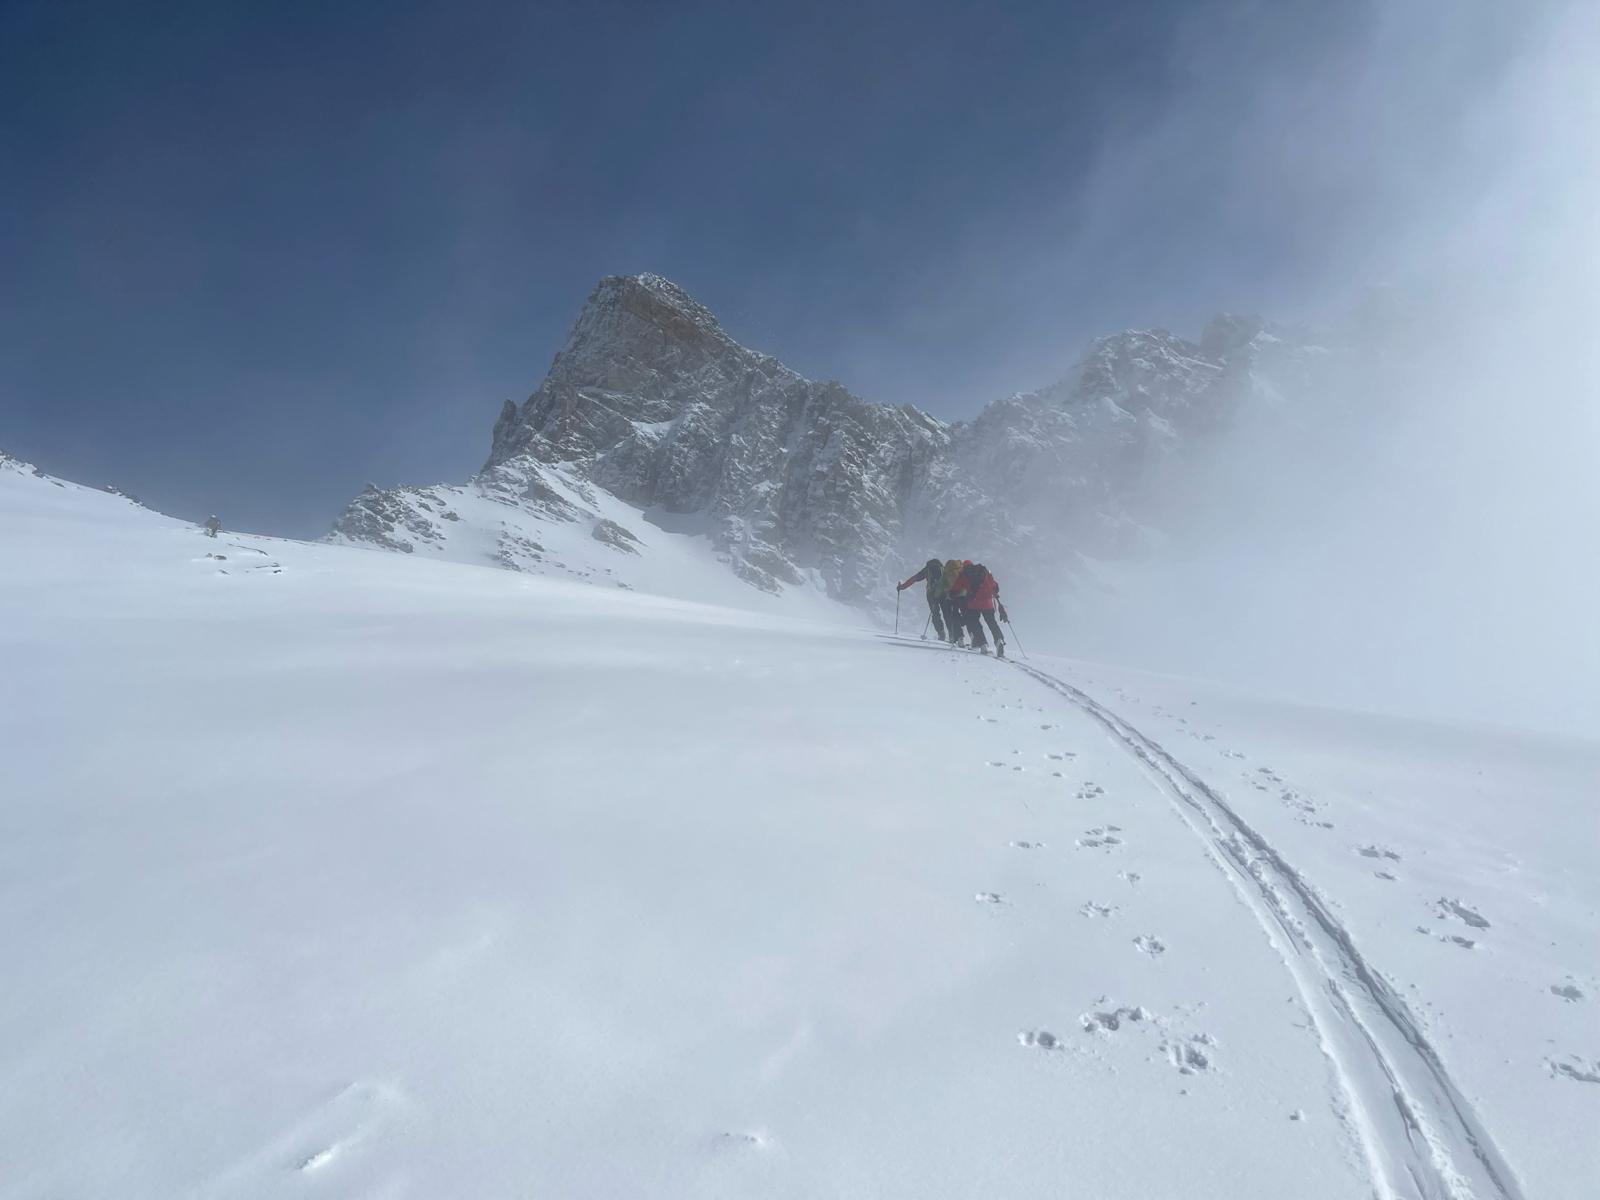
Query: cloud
[1432, 546]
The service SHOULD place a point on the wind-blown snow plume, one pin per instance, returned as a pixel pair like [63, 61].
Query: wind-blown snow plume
[1425, 541]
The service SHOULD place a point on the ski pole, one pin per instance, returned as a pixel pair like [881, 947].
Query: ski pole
[897, 612]
[925, 625]
[1014, 636]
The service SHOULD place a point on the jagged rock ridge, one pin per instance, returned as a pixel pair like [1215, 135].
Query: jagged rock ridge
[792, 481]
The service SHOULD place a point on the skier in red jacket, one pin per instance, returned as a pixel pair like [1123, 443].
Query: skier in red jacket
[980, 593]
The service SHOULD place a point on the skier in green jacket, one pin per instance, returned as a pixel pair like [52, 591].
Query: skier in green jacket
[954, 608]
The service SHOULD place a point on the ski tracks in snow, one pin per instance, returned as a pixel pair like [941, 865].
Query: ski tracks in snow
[1420, 1136]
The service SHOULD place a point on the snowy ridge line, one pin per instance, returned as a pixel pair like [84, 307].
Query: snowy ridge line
[1421, 1137]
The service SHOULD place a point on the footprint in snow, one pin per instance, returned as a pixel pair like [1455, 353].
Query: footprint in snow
[1101, 835]
[1447, 907]
[1573, 1067]
[1190, 1055]
[1378, 852]
[1092, 909]
[1153, 946]
[1301, 804]
[1039, 1039]
[1112, 1019]
[1307, 809]
[989, 898]
[1028, 845]
[1566, 991]
[1132, 877]
[1465, 943]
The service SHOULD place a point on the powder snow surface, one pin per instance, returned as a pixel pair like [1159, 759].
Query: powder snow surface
[333, 872]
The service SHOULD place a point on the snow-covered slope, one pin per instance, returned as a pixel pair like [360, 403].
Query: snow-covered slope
[653, 407]
[325, 871]
[550, 521]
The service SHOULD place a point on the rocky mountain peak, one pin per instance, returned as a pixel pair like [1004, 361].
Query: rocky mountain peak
[657, 299]
[795, 482]
[635, 336]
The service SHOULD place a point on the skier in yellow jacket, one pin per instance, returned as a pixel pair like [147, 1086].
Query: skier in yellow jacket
[955, 617]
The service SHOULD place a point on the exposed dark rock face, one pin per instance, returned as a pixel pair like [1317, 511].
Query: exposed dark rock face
[795, 481]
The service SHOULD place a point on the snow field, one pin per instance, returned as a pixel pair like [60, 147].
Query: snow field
[344, 873]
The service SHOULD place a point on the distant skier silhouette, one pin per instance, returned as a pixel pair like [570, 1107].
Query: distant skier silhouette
[212, 525]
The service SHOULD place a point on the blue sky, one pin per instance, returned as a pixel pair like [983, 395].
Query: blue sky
[255, 255]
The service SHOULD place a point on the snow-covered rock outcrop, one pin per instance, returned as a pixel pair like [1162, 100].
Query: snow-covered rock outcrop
[652, 414]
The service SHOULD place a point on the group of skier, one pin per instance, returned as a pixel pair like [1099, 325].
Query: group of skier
[962, 597]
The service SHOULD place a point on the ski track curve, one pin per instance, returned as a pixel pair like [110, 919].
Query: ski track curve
[1420, 1135]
